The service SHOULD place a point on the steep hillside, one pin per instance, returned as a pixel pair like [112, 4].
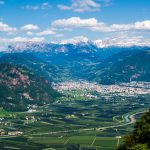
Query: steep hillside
[36, 62]
[20, 88]
[135, 67]
[103, 67]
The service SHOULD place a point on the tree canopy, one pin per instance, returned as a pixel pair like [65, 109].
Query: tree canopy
[140, 138]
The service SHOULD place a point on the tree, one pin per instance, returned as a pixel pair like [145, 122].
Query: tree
[140, 147]
[140, 138]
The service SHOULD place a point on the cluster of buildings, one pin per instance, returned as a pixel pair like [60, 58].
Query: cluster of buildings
[10, 133]
[124, 89]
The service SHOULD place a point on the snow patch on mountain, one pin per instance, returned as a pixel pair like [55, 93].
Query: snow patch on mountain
[80, 42]
[76, 40]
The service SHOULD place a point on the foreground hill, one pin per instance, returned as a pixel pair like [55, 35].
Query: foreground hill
[20, 88]
[134, 67]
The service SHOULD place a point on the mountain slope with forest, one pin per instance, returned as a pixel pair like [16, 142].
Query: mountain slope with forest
[20, 88]
[135, 67]
[84, 60]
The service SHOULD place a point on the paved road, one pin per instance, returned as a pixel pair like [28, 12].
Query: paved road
[128, 119]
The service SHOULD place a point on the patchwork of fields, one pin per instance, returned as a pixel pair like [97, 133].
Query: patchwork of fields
[71, 125]
[73, 142]
[83, 142]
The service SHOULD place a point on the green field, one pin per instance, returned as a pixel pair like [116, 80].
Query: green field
[72, 125]
[83, 142]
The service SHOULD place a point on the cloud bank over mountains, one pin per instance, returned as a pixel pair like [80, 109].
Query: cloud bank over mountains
[71, 25]
[21, 43]
[101, 21]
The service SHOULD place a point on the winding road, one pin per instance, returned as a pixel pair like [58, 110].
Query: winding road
[128, 119]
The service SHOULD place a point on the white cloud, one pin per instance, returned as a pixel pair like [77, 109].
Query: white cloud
[34, 39]
[29, 27]
[63, 7]
[4, 42]
[6, 28]
[81, 6]
[29, 33]
[118, 40]
[125, 41]
[145, 25]
[22, 39]
[59, 35]
[45, 6]
[46, 32]
[36, 7]
[75, 40]
[2, 2]
[42, 6]
[107, 3]
[19, 39]
[93, 25]
[75, 22]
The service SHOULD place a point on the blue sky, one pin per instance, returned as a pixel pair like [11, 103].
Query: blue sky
[57, 20]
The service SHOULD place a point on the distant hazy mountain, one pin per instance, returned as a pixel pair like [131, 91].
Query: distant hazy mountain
[20, 87]
[73, 60]
[20, 68]
[84, 48]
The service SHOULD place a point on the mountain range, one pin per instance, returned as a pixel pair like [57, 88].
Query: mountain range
[20, 87]
[28, 69]
[80, 60]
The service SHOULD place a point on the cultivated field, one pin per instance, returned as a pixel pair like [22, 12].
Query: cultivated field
[76, 124]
